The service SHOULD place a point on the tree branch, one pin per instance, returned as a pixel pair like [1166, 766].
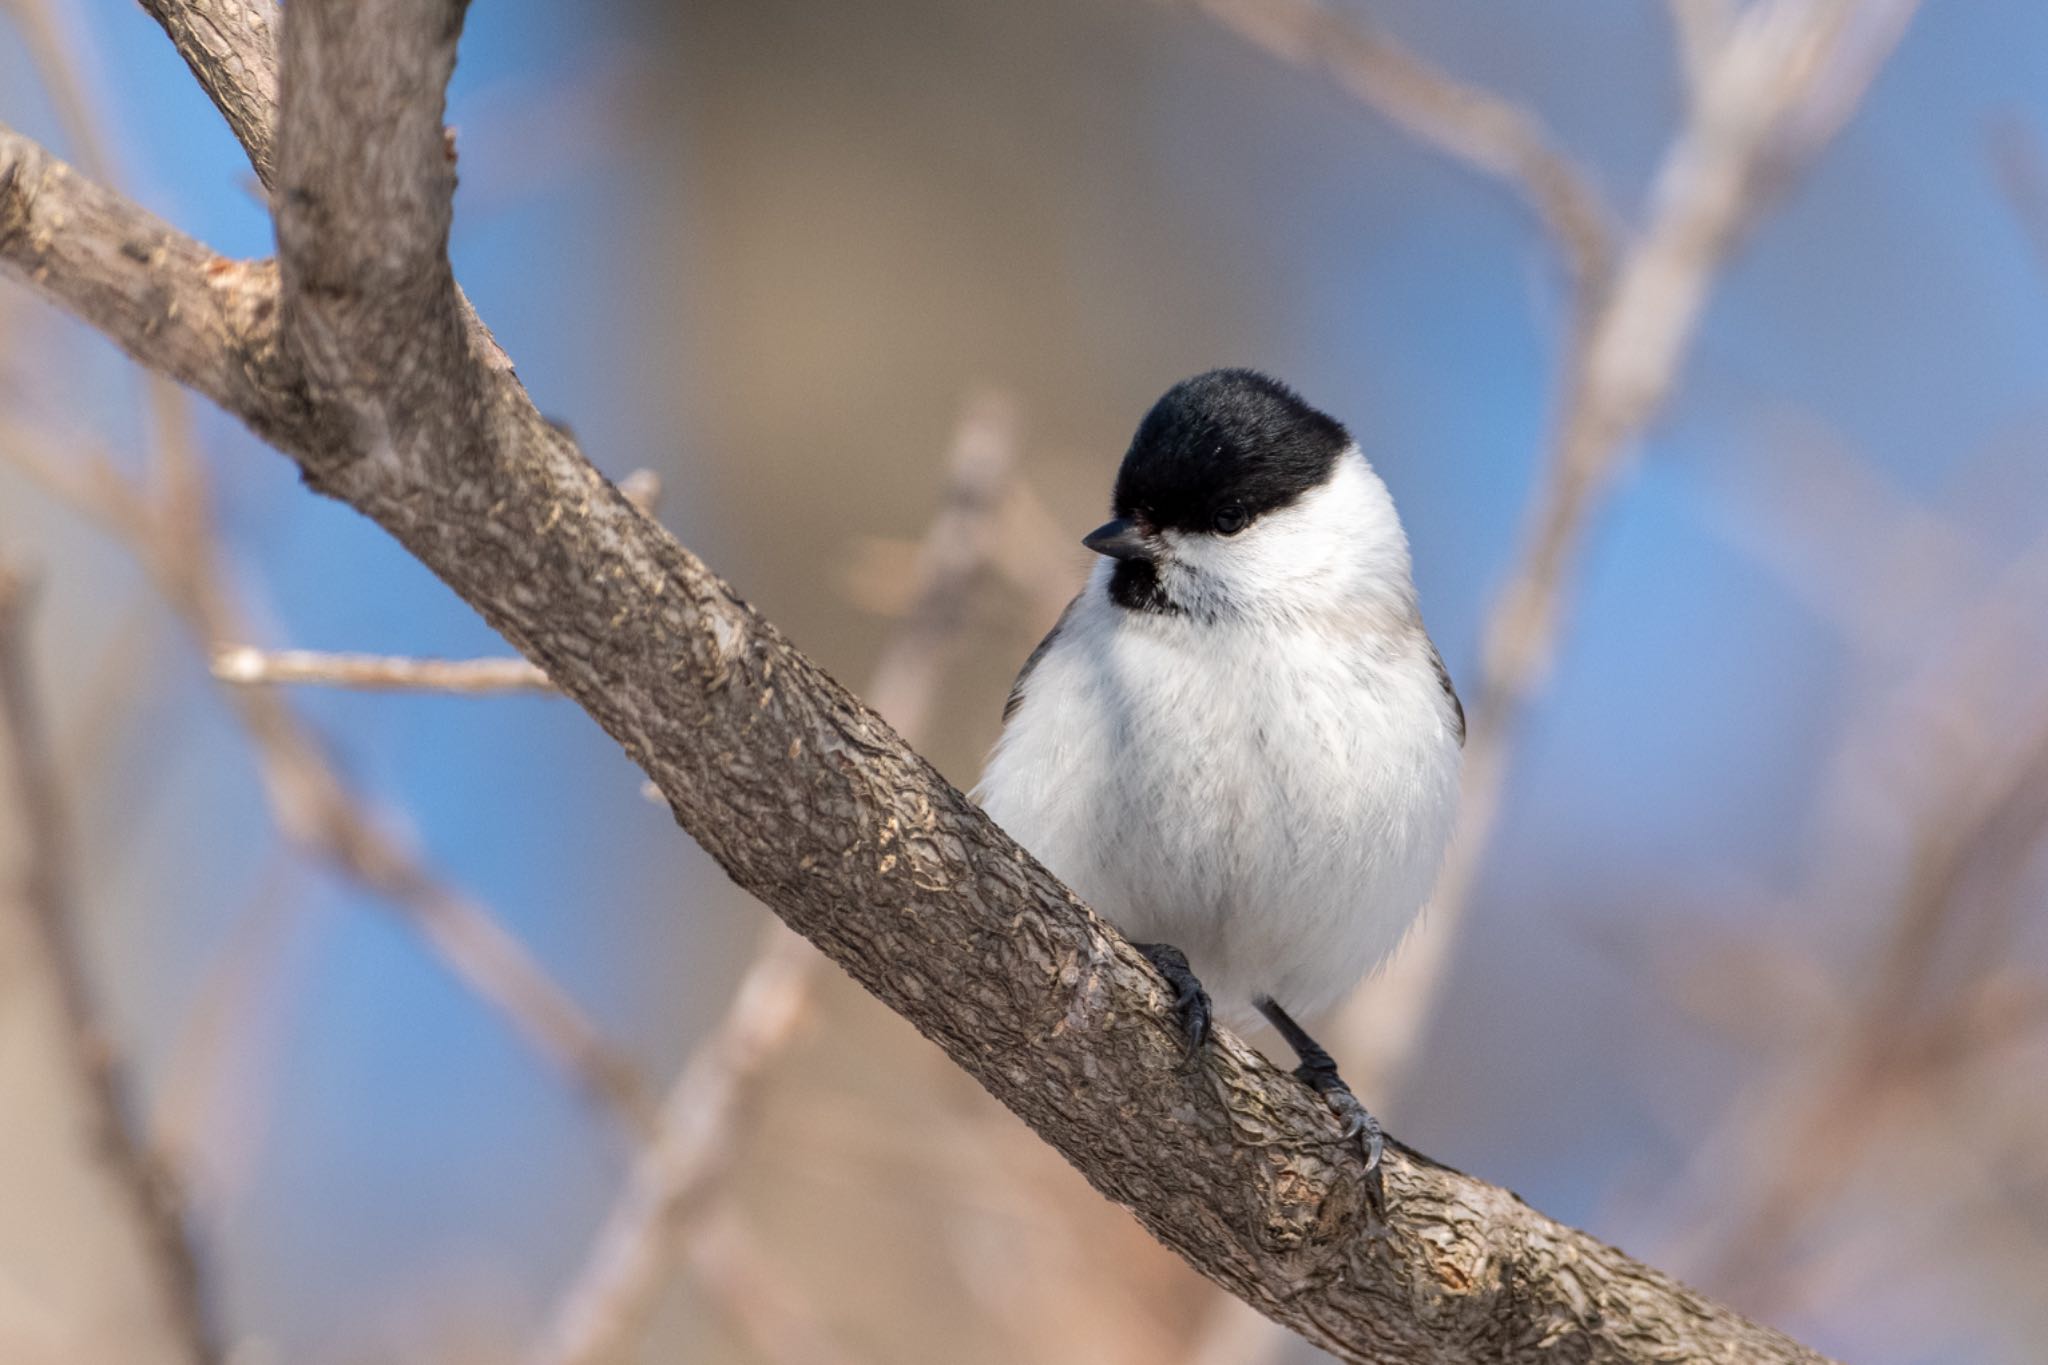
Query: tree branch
[612, 1295]
[1476, 126]
[363, 200]
[150, 1189]
[198, 318]
[811, 802]
[615, 1288]
[1781, 82]
[247, 666]
[232, 50]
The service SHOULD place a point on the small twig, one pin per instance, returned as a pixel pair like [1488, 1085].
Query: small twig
[49, 902]
[60, 76]
[1485, 131]
[246, 665]
[2020, 158]
[1713, 181]
[228, 1023]
[166, 521]
[642, 488]
[49, 213]
[611, 1294]
[957, 545]
[1701, 29]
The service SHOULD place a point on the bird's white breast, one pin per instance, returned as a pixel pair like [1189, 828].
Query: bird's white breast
[1272, 797]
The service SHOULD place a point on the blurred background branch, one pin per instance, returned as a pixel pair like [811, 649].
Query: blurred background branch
[168, 528]
[1492, 135]
[611, 1298]
[2019, 154]
[1775, 87]
[46, 901]
[250, 666]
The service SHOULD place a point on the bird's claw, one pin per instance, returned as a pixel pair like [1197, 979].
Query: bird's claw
[1359, 1126]
[1190, 1001]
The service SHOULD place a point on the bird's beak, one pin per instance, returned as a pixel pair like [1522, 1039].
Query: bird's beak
[1119, 539]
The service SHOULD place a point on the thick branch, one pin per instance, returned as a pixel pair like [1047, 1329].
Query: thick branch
[231, 50]
[809, 801]
[364, 196]
[183, 311]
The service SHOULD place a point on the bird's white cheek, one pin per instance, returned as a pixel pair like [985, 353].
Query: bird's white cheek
[1220, 554]
[1272, 563]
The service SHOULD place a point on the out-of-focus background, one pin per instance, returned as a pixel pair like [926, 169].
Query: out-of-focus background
[1743, 969]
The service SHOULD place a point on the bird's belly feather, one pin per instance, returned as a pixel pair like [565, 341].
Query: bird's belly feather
[1288, 852]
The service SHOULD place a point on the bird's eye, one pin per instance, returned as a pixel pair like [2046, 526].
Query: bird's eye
[1230, 521]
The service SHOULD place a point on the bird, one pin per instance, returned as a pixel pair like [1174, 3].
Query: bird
[1239, 744]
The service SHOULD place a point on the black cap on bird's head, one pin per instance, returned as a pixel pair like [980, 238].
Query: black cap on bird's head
[1213, 455]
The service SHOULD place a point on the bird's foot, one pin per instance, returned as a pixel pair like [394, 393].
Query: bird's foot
[1318, 1071]
[1190, 1001]
[1359, 1125]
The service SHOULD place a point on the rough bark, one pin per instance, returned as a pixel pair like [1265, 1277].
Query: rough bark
[232, 49]
[358, 359]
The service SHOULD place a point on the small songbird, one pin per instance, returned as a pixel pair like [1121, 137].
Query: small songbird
[1238, 744]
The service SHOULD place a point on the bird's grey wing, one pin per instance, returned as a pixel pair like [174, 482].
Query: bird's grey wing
[1443, 676]
[1016, 697]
